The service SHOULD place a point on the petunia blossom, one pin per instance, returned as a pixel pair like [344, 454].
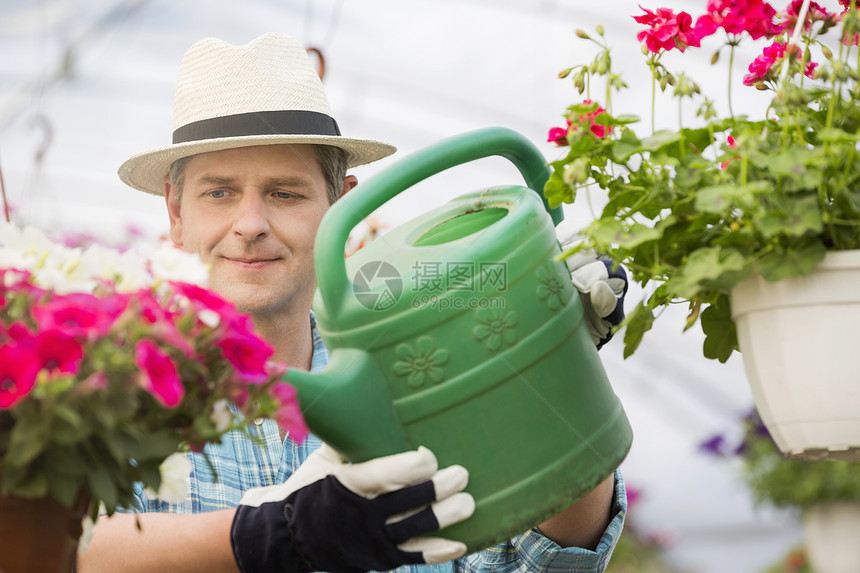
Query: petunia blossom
[160, 377]
[754, 17]
[248, 355]
[58, 351]
[18, 370]
[79, 314]
[289, 415]
[666, 30]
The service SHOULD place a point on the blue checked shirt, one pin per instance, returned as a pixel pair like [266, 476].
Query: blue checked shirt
[241, 464]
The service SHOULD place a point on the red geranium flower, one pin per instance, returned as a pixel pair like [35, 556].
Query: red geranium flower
[754, 17]
[667, 30]
[815, 13]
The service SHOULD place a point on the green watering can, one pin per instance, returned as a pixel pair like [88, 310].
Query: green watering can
[458, 331]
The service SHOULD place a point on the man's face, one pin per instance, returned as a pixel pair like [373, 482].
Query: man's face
[252, 213]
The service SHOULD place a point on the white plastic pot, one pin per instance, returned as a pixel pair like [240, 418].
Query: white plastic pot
[800, 340]
[831, 532]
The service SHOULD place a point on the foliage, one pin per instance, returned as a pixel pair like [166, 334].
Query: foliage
[692, 212]
[112, 362]
[786, 482]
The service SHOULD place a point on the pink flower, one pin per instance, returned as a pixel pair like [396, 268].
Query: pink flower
[766, 66]
[289, 414]
[163, 322]
[248, 354]
[18, 369]
[815, 13]
[160, 377]
[755, 17]
[667, 30]
[204, 299]
[579, 120]
[79, 314]
[58, 351]
[558, 135]
[732, 144]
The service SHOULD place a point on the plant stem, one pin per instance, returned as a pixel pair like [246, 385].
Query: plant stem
[731, 64]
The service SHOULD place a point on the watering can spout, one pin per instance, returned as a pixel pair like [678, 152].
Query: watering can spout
[349, 401]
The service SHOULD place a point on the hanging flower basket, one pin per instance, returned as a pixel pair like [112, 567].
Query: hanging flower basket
[40, 534]
[831, 531]
[799, 341]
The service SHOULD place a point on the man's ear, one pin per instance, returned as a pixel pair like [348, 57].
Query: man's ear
[349, 182]
[171, 197]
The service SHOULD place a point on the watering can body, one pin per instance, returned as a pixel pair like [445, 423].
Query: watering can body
[459, 331]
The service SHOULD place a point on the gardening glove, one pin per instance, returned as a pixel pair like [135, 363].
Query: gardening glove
[340, 517]
[601, 285]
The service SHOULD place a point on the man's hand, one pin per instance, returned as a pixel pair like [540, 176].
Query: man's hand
[601, 286]
[340, 517]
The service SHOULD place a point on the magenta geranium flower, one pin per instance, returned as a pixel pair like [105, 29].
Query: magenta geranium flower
[160, 377]
[754, 17]
[667, 30]
[815, 13]
[289, 415]
[248, 355]
[766, 66]
[558, 135]
[18, 369]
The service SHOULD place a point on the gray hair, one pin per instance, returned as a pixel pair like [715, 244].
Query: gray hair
[333, 162]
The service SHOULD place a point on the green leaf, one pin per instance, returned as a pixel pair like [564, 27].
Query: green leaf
[661, 139]
[64, 489]
[721, 198]
[708, 267]
[29, 437]
[557, 191]
[614, 232]
[799, 216]
[636, 325]
[721, 337]
[797, 260]
[792, 162]
[625, 147]
[102, 487]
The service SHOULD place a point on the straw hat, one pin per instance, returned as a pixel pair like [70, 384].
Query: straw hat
[266, 92]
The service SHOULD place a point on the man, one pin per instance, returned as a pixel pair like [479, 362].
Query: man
[256, 161]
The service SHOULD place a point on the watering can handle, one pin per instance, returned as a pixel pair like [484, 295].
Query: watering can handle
[350, 210]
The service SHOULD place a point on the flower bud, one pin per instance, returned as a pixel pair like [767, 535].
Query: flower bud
[576, 172]
[579, 80]
[581, 34]
[715, 58]
[828, 53]
[599, 29]
[564, 73]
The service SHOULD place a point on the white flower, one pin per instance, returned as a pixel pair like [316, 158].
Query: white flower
[86, 534]
[175, 479]
[172, 264]
[221, 415]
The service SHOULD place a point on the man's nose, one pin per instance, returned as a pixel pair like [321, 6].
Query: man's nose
[251, 219]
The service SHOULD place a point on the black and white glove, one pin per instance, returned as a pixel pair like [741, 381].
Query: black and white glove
[601, 287]
[340, 517]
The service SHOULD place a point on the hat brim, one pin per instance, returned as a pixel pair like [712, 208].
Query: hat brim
[146, 171]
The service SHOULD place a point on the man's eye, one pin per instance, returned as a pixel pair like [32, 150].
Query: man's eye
[218, 194]
[284, 195]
